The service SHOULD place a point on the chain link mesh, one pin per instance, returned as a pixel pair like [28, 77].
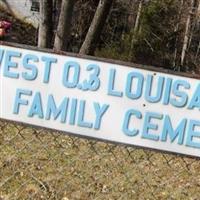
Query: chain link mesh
[40, 164]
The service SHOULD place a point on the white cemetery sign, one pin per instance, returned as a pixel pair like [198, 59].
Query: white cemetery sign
[93, 98]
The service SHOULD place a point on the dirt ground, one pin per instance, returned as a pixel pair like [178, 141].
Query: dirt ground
[20, 32]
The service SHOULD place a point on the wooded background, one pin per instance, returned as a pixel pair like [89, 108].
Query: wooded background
[163, 33]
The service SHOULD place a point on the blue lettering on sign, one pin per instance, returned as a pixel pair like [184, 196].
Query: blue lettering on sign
[93, 83]
[126, 123]
[195, 101]
[73, 112]
[36, 107]
[111, 83]
[99, 111]
[173, 134]
[167, 91]
[1, 55]
[137, 94]
[48, 63]
[9, 64]
[70, 111]
[192, 134]
[183, 97]
[69, 66]
[19, 101]
[31, 67]
[53, 110]
[157, 127]
[159, 88]
[185, 132]
[148, 125]
[81, 116]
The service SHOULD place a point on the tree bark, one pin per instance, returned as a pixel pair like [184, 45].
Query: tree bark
[139, 12]
[177, 35]
[198, 27]
[187, 33]
[198, 14]
[64, 25]
[136, 27]
[45, 32]
[96, 27]
[197, 53]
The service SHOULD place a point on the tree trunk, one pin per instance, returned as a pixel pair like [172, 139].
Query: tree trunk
[136, 27]
[198, 27]
[139, 12]
[45, 32]
[196, 10]
[187, 33]
[197, 54]
[96, 27]
[64, 25]
[176, 30]
[198, 14]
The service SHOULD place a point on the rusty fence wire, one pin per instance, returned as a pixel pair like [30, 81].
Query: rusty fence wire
[40, 164]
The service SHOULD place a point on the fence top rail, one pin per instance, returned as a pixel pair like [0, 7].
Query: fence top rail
[106, 60]
[90, 103]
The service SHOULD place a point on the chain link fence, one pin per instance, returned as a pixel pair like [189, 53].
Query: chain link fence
[40, 164]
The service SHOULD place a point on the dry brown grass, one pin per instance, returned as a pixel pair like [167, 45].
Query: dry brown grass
[37, 164]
